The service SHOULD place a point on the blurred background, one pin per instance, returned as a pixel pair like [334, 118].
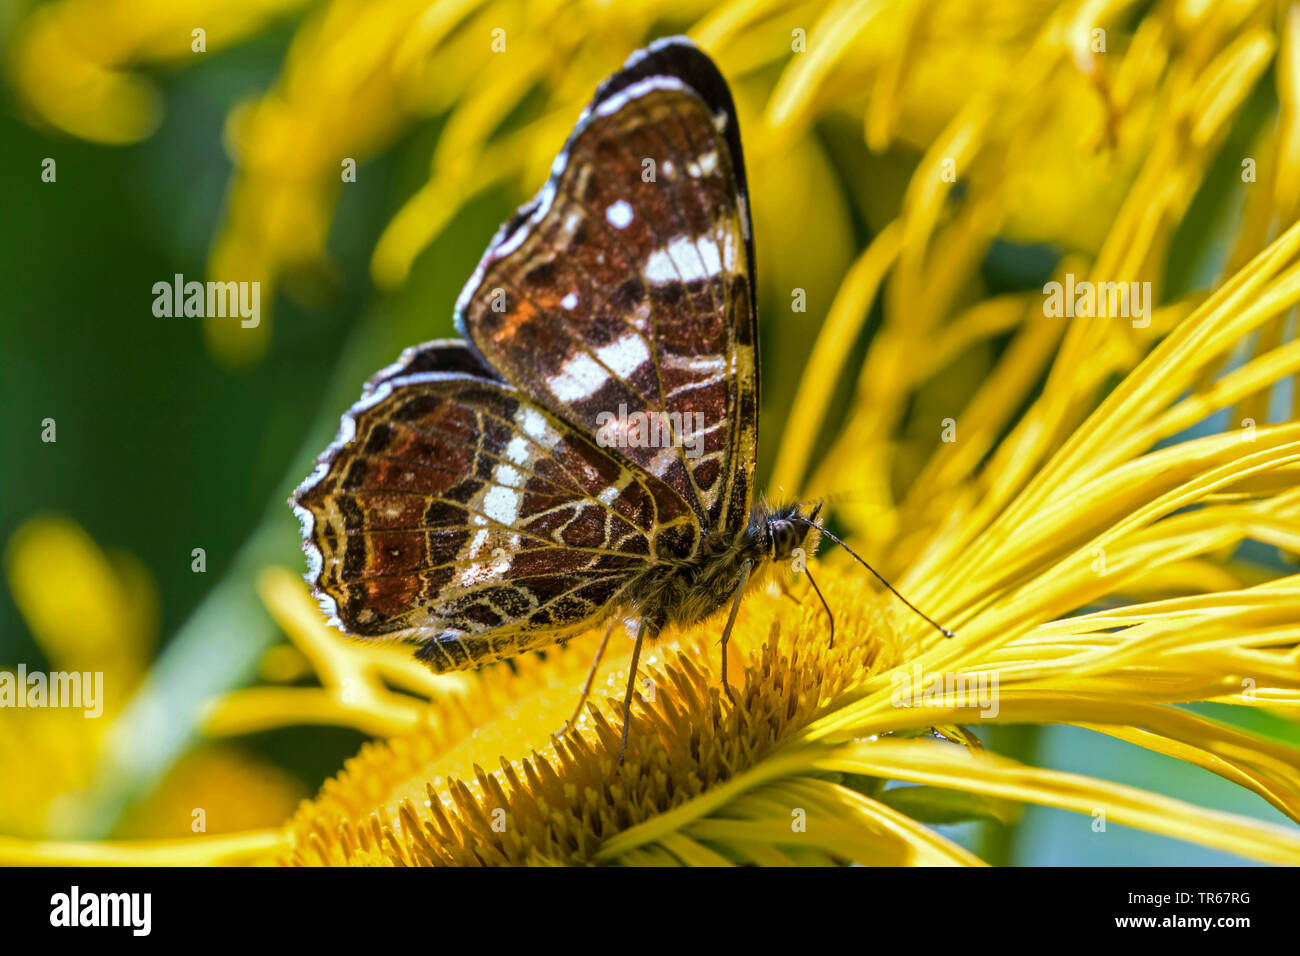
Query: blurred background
[221, 156]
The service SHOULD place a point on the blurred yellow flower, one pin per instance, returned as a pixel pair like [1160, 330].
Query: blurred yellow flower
[92, 613]
[74, 62]
[88, 613]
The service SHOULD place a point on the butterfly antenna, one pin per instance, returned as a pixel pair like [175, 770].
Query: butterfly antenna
[929, 620]
[831, 642]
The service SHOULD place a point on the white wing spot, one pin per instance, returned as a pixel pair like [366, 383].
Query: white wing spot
[501, 505]
[569, 302]
[504, 475]
[569, 229]
[476, 572]
[625, 355]
[729, 251]
[709, 253]
[535, 426]
[480, 539]
[684, 260]
[517, 450]
[611, 492]
[640, 316]
[578, 378]
[619, 214]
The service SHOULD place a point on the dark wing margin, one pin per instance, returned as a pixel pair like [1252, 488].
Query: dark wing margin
[440, 355]
[680, 58]
[622, 297]
[454, 513]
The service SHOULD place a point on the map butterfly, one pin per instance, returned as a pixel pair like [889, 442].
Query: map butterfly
[497, 494]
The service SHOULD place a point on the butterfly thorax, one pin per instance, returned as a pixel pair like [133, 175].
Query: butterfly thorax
[700, 585]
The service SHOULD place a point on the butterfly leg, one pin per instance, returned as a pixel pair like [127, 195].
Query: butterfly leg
[591, 677]
[641, 628]
[786, 592]
[731, 620]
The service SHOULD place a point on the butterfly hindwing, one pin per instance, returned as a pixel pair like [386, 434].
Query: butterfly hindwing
[456, 513]
[626, 288]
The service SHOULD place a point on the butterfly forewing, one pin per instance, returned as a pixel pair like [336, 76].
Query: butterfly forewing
[625, 289]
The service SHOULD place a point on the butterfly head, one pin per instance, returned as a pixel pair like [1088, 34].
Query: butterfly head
[787, 529]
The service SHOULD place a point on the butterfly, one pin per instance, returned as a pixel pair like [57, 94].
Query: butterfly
[586, 451]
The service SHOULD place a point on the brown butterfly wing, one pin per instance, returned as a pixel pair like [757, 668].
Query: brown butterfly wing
[626, 288]
[455, 513]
